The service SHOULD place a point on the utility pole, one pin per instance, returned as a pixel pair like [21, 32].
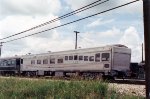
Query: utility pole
[1, 48]
[146, 11]
[76, 39]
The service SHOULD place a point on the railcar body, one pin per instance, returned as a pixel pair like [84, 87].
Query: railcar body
[107, 60]
[10, 65]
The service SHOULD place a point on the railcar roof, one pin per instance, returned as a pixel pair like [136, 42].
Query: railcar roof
[13, 57]
[78, 50]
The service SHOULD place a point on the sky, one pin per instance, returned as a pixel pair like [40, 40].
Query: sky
[120, 26]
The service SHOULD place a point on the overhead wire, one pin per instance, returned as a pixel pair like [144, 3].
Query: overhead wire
[86, 39]
[74, 21]
[91, 5]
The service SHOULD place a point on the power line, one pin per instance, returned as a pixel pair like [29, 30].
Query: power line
[91, 5]
[74, 21]
[86, 39]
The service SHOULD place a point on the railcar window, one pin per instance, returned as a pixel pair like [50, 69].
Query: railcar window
[80, 57]
[32, 61]
[85, 58]
[60, 60]
[91, 58]
[4, 64]
[13, 62]
[45, 61]
[97, 57]
[66, 57]
[52, 61]
[21, 61]
[70, 57]
[1, 63]
[9, 62]
[105, 56]
[75, 57]
[38, 61]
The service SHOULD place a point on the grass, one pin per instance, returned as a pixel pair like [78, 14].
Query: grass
[12, 88]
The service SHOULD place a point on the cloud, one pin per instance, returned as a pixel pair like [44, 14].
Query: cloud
[99, 22]
[132, 39]
[113, 33]
[95, 38]
[16, 24]
[29, 7]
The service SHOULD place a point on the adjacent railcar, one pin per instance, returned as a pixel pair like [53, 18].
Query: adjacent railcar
[108, 60]
[10, 65]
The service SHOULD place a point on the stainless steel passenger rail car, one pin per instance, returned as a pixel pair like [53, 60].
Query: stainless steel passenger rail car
[110, 60]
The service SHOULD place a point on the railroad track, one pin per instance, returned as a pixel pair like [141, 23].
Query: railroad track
[118, 81]
[129, 81]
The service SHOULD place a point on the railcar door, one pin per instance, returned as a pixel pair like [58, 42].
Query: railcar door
[75, 61]
[106, 60]
[18, 63]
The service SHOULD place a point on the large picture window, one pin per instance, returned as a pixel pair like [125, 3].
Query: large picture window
[105, 56]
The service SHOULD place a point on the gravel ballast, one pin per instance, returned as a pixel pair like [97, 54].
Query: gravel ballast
[137, 90]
